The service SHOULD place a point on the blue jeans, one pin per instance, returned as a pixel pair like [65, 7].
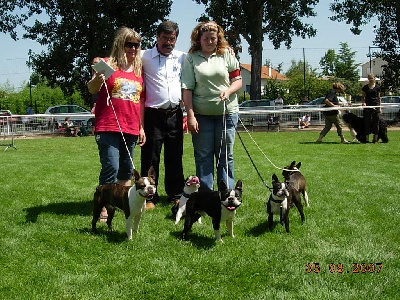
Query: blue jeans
[209, 143]
[114, 158]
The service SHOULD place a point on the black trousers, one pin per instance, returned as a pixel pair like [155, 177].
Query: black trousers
[371, 120]
[163, 127]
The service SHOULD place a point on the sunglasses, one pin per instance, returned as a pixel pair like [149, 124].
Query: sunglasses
[131, 45]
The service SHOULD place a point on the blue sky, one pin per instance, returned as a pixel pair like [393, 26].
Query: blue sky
[14, 54]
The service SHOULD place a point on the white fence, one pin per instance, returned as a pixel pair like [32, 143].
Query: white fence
[28, 125]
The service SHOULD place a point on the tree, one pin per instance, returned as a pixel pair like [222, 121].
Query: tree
[341, 65]
[328, 63]
[77, 31]
[252, 19]
[304, 82]
[359, 13]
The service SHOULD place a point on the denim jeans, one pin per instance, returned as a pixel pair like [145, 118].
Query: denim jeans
[114, 158]
[209, 144]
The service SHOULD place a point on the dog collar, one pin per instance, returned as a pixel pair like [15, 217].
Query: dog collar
[185, 195]
[279, 201]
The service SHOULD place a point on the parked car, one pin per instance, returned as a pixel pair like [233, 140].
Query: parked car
[255, 103]
[76, 113]
[258, 118]
[320, 102]
[390, 107]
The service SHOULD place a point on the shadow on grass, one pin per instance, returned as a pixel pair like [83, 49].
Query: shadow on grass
[260, 229]
[114, 236]
[198, 241]
[83, 208]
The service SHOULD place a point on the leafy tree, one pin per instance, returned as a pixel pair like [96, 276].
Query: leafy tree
[77, 31]
[252, 19]
[359, 13]
[328, 63]
[341, 65]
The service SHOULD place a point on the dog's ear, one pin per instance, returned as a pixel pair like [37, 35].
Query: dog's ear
[136, 175]
[275, 178]
[292, 165]
[239, 185]
[298, 165]
[151, 173]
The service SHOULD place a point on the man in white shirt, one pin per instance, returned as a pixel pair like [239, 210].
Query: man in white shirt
[163, 115]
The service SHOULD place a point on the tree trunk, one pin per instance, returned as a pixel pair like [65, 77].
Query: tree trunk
[257, 38]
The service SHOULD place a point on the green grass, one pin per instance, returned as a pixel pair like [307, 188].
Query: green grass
[48, 252]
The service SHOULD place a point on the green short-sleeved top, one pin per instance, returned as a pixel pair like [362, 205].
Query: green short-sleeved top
[207, 78]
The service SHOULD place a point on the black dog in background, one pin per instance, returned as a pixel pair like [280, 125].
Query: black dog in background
[357, 123]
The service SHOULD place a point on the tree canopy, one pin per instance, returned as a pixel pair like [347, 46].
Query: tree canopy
[341, 65]
[252, 19]
[387, 39]
[77, 31]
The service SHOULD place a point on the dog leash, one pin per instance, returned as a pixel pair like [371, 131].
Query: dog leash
[248, 154]
[109, 102]
[223, 138]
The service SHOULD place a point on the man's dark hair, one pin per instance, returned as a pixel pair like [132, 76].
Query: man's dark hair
[168, 27]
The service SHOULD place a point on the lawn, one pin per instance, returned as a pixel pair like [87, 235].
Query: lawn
[348, 247]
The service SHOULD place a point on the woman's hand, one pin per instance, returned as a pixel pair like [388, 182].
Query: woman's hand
[142, 137]
[193, 126]
[224, 96]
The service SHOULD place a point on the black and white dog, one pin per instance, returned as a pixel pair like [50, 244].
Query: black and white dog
[283, 196]
[219, 205]
[356, 123]
[192, 185]
[130, 199]
[293, 176]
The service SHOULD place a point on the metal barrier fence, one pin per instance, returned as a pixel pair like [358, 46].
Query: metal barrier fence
[42, 124]
[27, 125]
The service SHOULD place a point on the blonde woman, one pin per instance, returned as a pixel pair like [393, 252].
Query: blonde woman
[119, 108]
[210, 79]
[371, 96]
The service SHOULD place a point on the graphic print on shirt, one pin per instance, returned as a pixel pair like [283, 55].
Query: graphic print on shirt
[126, 89]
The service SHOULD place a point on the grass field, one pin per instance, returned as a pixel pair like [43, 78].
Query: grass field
[352, 228]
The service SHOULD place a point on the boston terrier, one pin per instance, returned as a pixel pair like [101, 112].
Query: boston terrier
[283, 196]
[192, 185]
[130, 199]
[219, 205]
[292, 175]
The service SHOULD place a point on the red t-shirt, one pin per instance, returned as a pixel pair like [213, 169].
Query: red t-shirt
[126, 92]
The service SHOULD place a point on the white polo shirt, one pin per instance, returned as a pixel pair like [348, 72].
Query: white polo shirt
[162, 76]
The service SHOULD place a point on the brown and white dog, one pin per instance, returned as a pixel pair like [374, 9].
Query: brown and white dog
[282, 198]
[130, 199]
[292, 176]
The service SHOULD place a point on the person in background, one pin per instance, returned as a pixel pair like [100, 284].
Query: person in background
[71, 127]
[210, 79]
[371, 96]
[163, 115]
[332, 117]
[119, 109]
[278, 101]
[304, 121]
[29, 110]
